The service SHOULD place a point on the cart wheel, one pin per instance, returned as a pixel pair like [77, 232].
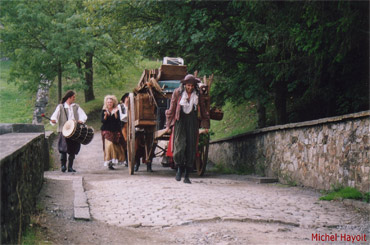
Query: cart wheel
[131, 134]
[202, 160]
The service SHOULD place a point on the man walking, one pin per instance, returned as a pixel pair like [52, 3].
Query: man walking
[67, 110]
[182, 116]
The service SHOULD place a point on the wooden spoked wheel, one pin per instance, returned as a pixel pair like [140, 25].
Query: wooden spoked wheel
[131, 134]
[202, 160]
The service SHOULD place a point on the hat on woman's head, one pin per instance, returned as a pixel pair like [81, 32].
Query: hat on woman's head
[190, 79]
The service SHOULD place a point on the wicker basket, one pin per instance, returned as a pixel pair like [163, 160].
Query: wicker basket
[216, 114]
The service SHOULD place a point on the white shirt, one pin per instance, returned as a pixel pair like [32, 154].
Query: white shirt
[69, 109]
[188, 106]
[123, 115]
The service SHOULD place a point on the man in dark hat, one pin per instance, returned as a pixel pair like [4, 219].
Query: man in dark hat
[182, 115]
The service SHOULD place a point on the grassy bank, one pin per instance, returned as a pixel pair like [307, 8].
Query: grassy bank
[237, 119]
[17, 106]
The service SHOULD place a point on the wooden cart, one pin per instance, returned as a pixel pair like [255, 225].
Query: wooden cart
[146, 115]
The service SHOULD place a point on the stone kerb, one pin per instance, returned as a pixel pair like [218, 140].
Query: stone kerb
[6, 128]
[318, 154]
[22, 167]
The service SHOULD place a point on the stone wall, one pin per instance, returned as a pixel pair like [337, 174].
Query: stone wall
[42, 99]
[319, 154]
[22, 169]
[50, 137]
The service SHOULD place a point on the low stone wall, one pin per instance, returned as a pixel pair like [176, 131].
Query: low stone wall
[6, 128]
[50, 136]
[319, 154]
[22, 169]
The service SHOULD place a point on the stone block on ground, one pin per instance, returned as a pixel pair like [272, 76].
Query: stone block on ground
[82, 213]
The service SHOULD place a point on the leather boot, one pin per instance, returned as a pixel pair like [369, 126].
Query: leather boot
[149, 167]
[137, 165]
[70, 169]
[179, 173]
[186, 177]
[126, 161]
[70, 164]
[64, 168]
[110, 166]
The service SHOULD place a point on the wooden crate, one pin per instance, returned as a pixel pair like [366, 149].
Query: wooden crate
[144, 111]
[172, 72]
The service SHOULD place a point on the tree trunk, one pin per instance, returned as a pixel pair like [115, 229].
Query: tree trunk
[280, 103]
[89, 90]
[261, 114]
[42, 99]
[59, 82]
[79, 68]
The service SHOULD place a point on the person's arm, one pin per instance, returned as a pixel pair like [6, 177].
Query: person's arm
[54, 118]
[103, 116]
[115, 113]
[81, 115]
[171, 112]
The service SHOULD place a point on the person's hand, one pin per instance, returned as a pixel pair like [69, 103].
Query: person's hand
[168, 130]
[80, 121]
[206, 130]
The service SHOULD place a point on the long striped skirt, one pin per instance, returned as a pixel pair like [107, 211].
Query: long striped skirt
[113, 151]
[185, 139]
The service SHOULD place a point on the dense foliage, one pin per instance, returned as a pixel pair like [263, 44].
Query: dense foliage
[58, 38]
[305, 60]
[293, 60]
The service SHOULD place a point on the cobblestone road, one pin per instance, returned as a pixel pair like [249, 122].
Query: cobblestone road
[156, 200]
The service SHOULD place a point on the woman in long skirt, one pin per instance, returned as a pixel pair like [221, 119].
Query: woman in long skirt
[113, 141]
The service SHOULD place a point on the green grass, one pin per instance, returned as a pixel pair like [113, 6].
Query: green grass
[345, 193]
[237, 120]
[34, 235]
[16, 106]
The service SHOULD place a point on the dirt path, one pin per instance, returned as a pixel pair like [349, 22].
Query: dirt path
[152, 208]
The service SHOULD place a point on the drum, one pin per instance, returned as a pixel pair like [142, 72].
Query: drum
[78, 132]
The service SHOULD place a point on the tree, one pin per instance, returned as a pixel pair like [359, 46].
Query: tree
[46, 37]
[334, 39]
[25, 38]
[117, 46]
[296, 56]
